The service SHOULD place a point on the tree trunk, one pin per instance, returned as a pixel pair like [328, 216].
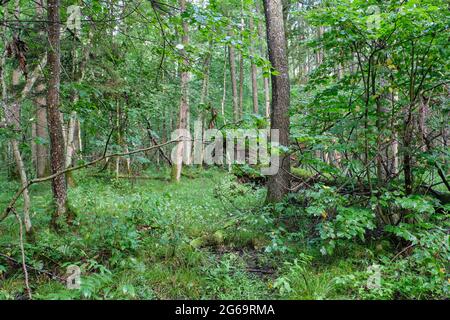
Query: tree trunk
[254, 71]
[423, 115]
[57, 159]
[42, 159]
[184, 103]
[241, 67]
[42, 163]
[265, 79]
[278, 184]
[234, 91]
[12, 119]
[70, 142]
[224, 87]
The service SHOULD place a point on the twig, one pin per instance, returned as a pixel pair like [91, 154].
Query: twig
[48, 273]
[402, 251]
[22, 250]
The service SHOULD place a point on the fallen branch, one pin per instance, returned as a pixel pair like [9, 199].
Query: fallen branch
[127, 177]
[260, 271]
[48, 273]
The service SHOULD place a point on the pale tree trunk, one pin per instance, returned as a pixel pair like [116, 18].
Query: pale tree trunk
[253, 71]
[42, 163]
[423, 115]
[73, 139]
[380, 115]
[394, 144]
[79, 140]
[118, 138]
[59, 187]
[184, 103]
[241, 67]
[204, 98]
[224, 87]
[70, 142]
[265, 79]
[42, 160]
[12, 119]
[278, 184]
[234, 90]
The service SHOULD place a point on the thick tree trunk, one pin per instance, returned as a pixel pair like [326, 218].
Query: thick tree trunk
[278, 184]
[265, 79]
[184, 103]
[59, 187]
[42, 159]
[42, 163]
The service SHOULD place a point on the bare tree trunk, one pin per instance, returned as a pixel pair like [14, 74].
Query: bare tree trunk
[278, 184]
[423, 115]
[70, 142]
[241, 67]
[254, 71]
[184, 103]
[224, 87]
[241, 86]
[265, 79]
[59, 187]
[42, 163]
[234, 91]
[204, 98]
[12, 119]
[42, 159]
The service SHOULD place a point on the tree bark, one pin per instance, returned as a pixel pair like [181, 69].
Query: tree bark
[241, 67]
[42, 159]
[224, 87]
[12, 119]
[57, 158]
[253, 70]
[278, 184]
[234, 90]
[265, 79]
[42, 163]
[184, 103]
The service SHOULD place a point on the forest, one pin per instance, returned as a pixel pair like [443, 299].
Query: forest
[224, 150]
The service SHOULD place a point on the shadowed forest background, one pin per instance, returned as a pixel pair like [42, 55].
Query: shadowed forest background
[91, 176]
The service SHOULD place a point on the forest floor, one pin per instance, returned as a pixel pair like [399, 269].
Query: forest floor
[152, 239]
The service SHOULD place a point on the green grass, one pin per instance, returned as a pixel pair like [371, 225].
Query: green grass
[153, 239]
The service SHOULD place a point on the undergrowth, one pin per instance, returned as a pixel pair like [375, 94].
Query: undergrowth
[211, 237]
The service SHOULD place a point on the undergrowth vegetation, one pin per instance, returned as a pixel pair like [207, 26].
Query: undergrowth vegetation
[210, 237]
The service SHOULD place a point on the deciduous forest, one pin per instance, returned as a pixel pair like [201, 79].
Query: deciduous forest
[212, 149]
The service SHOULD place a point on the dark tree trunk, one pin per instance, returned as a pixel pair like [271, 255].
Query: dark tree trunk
[57, 158]
[279, 184]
